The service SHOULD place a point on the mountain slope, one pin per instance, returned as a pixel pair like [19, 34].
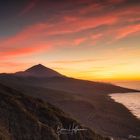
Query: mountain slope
[39, 71]
[86, 101]
[25, 118]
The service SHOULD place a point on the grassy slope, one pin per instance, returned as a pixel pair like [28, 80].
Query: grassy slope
[86, 101]
[27, 118]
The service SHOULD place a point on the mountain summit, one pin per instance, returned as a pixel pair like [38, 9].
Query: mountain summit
[39, 71]
[37, 67]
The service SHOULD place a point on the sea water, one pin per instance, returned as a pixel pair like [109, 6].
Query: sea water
[129, 100]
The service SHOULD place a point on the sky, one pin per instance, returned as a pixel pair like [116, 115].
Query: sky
[86, 39]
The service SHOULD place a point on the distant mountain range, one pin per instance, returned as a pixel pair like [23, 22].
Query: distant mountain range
[86, 101]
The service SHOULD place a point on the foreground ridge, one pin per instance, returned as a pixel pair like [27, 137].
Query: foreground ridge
[25, 118]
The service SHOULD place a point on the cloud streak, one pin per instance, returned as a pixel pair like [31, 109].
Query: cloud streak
[23, 51]
[76, 61]
[28, 7]
[76, 29]
[127, 31]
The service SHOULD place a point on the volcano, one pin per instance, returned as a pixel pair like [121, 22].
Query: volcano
[86, 101]
[39, 71]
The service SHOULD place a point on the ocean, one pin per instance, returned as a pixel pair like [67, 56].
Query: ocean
[129, 100]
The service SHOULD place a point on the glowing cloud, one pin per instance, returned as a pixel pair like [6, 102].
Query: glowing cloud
[75, 29]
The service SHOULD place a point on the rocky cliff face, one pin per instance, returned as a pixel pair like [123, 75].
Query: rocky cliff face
[27, 118]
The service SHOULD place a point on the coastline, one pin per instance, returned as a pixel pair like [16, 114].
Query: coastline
[86, 101]
[129, 100]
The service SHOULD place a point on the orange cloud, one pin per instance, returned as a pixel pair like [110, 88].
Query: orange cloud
[78, 41]
[97, 36]
[122, 33]
[70, 24]
[67, 27]
[11, 67]
[35, 33]
[11, 64]
[24, 50]
[27, 34]
[75, 61]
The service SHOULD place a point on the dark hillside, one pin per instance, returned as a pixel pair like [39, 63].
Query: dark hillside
[27, 118]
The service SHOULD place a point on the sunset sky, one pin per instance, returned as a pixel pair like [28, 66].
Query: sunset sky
[86, 39]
